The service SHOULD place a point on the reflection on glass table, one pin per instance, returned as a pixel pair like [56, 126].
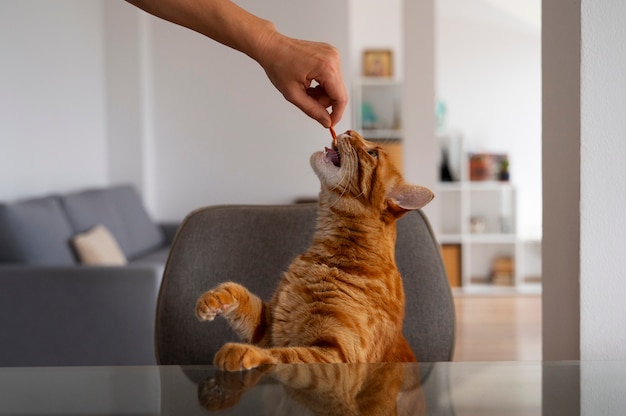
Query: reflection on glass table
[455, 388]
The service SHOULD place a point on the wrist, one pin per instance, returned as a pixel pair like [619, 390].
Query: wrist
[266, 44]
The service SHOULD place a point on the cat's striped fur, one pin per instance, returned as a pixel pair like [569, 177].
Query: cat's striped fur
[342, 300]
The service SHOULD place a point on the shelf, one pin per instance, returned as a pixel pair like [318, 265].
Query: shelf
[491, 238]
[473, 214]
[476, 186]
[451, 186]
[379, 81]
[450, 238]
[382, 134]
[377, 108]
[477, 238]
[489, 186]
[377, 114]
[481, 218]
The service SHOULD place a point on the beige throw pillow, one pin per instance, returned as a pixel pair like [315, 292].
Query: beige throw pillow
[98, 247]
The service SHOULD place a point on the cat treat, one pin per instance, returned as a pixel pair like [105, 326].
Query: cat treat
[333, 135]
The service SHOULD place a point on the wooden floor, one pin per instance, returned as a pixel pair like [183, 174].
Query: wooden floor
[498, 327]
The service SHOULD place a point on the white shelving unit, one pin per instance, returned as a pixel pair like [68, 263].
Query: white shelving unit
[481, 218]
[377, 110]
[383, 98]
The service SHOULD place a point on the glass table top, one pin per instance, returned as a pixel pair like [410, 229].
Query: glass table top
[456, 388]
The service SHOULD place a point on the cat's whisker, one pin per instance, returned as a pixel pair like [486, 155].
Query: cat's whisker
[360, 194]
[345, 188]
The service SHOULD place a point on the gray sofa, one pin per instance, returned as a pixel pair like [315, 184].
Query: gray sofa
[55, 310]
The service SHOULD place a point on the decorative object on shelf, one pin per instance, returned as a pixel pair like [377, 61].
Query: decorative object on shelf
[479, 167]
[441, 110]
[444, 168]
[450, 145]
[478, 224]
[488, 167]
[503, 271]
[368, 116]
[378, 63]
[503, 173]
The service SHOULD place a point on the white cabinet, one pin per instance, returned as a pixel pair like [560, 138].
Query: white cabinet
[479, 219]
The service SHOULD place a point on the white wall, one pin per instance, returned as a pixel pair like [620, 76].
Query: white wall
[125, 86]
[488, 73]
[52, 96]
[602, 180]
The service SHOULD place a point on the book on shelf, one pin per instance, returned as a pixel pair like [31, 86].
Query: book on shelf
[502, 280]
[502, 271]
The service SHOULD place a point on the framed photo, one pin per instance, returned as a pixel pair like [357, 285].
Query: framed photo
[378, 63]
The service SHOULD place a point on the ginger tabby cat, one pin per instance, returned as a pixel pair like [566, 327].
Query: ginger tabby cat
[342, 300]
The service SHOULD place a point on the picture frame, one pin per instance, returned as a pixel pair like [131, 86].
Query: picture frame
[378, 63]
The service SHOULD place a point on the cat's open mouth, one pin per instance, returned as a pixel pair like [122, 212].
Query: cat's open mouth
[333, 155]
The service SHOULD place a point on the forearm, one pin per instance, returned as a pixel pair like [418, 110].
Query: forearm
[220, 20]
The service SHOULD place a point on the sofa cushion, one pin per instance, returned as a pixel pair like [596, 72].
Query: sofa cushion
[98, 247]
[118, 208]
[35, 231]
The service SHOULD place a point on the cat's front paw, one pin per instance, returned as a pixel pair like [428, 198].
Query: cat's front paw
[218, 301]
[236, 357]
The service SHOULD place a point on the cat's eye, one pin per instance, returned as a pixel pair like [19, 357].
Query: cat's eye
[373, 153]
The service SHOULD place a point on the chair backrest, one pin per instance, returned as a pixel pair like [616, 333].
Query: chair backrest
[253, 245]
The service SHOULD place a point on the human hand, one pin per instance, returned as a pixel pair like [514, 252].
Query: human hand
[292, 65]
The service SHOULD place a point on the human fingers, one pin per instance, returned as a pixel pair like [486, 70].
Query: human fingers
[319, 94]
[339, 102]
[327, 72]
[337, 106]
[313, 105]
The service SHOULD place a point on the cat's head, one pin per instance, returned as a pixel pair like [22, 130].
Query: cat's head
[356, 174]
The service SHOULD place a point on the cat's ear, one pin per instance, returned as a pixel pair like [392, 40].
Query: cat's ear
[410, 197]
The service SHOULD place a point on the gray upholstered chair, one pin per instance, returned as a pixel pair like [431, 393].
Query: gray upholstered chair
[252, 245]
